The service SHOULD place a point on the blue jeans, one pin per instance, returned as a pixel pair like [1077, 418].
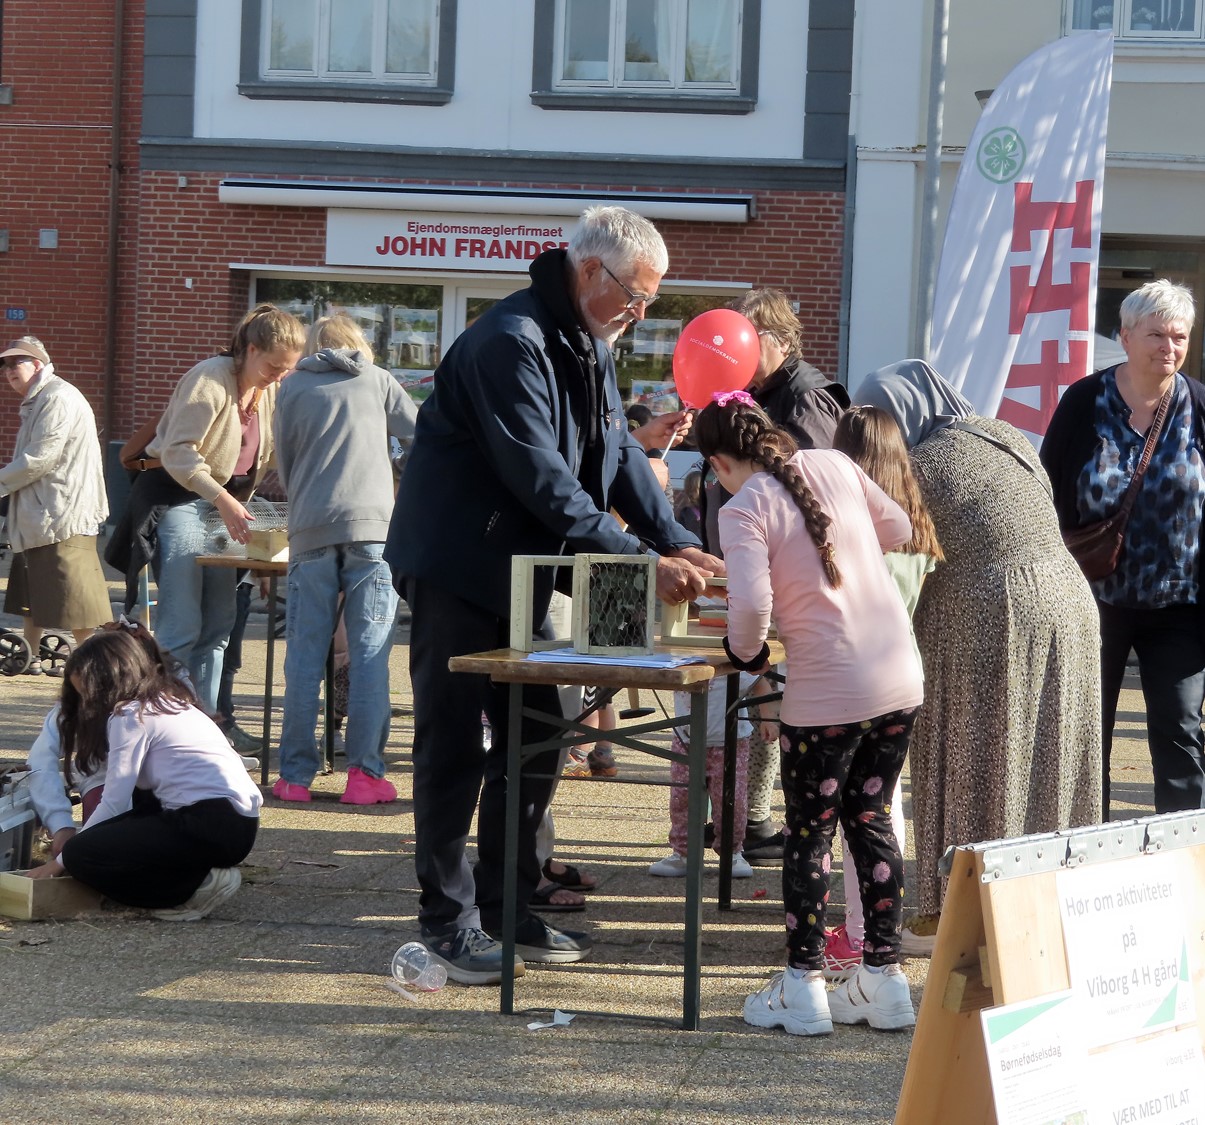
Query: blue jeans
[196, 603]
[1171, 665]
[370, 613]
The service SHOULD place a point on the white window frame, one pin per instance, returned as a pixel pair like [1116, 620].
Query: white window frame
[321, 71]
[1125, 12]
[616, 82]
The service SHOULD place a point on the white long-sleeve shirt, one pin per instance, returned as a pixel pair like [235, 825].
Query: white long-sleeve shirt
[47, 789]
[180, 756]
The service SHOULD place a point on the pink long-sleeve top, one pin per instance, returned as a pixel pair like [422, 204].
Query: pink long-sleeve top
[849, 650]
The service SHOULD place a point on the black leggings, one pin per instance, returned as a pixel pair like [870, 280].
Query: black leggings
[152, 857]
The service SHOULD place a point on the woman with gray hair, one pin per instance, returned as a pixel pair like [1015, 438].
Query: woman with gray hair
[1006, 743]
[1151, 602]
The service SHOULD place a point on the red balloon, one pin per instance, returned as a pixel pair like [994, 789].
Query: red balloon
[717, 352]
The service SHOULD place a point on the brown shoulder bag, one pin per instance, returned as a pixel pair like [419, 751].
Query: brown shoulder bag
[133, 453]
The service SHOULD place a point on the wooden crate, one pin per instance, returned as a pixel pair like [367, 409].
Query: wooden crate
[34, 899]
[614, 604]
[270, 545]
[522, 580]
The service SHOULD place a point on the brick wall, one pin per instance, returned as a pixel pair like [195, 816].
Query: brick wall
[55, 152]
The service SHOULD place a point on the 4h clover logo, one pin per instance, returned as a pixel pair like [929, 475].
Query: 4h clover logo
[1001, 155]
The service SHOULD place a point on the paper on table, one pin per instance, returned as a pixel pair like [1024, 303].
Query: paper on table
[656, 660]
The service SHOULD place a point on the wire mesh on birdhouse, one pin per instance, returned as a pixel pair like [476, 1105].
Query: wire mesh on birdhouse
[269, 527]
[614, 598]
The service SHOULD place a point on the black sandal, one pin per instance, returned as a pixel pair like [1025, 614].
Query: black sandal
[570, 879]
[541, 899]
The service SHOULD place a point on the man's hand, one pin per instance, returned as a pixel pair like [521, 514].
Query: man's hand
[678, 580]
[46, 871]
[658, 433]
[59, 840]
[660, 471]
[708, 564]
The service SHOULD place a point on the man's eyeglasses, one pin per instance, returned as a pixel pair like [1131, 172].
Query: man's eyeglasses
[634, 299]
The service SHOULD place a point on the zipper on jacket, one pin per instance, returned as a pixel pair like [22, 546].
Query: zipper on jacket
[493, 520]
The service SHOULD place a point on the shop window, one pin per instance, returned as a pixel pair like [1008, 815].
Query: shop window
[400, 51]
[403, 323]
[1146, 21]
[659, 55]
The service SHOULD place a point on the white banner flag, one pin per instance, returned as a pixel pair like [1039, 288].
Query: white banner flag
[1015, 302]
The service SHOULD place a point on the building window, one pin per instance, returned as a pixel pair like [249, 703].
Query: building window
[659, 55]
[400, 51]
[1146, 21]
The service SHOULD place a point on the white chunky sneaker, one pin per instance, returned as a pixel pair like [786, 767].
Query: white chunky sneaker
[673, 866]
[740, 867]
[216, 888]
[879, 999]
[799, 1006]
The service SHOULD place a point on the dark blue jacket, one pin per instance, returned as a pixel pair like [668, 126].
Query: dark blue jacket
[522, 448]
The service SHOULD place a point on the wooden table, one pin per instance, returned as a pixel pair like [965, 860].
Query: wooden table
[512, 667]
[273, 570]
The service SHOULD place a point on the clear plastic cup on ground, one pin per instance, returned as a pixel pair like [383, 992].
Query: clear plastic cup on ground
[414, 967]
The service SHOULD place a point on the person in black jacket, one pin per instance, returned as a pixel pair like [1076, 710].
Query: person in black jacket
[1152, 601]
[522, 448]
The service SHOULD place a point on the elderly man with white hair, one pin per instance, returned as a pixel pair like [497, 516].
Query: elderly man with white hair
[56, 488]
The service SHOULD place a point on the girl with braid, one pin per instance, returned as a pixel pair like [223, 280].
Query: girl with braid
[803, 538]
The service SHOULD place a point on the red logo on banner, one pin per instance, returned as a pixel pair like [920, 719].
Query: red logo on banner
[1044, 295]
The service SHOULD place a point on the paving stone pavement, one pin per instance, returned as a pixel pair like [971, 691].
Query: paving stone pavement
[276, 1008]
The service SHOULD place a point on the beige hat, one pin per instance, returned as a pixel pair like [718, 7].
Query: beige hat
[27, 345]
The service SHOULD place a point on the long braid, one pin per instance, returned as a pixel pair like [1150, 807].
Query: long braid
[769, 448]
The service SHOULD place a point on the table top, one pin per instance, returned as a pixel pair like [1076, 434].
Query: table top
[508, 665]
[241, 562]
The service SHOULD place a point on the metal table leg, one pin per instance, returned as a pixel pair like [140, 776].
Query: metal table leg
[692, 997]
[510, 878]
[269, 677]
[728, 791]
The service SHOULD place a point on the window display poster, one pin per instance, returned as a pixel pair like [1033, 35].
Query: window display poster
[659, 395]
[1036, 1062]
[1158, 1079]
[1127, 947]
[655, 337]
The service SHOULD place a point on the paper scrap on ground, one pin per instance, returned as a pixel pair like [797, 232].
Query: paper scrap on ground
[559, 1019]
[656, 660]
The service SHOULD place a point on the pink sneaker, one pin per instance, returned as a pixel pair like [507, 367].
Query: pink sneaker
[288, 791]
[364, 790]
[842, 957]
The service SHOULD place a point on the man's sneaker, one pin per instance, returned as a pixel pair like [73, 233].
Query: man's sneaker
[764, 851]
[673, 866]
[243, 742]
[470, 956]
[216, 888]
[740, 867]
[536, 941]
[364, 789]
[879, 999]
[289, 791]
[919, 935]
[799, 1005]
[841, 955]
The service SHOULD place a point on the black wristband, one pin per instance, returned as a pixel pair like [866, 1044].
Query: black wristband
[757, 662]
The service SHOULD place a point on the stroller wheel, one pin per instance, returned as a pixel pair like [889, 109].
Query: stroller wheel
[53, 653]
[15, 654]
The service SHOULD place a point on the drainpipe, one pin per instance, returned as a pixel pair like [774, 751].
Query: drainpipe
[927, 268]
[110, 348]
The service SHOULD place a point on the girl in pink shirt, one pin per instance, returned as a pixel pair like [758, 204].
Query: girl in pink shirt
[803, 538]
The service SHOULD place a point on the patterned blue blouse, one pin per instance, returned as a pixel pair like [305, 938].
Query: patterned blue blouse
[1159, 558]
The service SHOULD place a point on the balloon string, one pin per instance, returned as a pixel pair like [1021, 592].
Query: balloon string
[672, 437]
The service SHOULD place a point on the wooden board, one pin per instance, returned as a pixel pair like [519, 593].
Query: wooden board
[34, 899]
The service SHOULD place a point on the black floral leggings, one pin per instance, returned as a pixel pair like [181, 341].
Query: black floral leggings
[846, 772]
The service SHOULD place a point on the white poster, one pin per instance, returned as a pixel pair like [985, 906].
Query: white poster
[1126, 938]
[1159, 1080]
[503, 243]
[1015, 302]
[1036, 1059]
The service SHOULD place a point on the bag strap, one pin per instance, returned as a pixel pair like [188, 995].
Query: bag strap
[971, 428]
[1152, 436]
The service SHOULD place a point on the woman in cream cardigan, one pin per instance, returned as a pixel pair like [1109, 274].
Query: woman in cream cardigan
[214, 439]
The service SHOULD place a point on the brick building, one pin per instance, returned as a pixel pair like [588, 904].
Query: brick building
[252, 154]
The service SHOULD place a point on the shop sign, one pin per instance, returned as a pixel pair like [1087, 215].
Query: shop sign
[444, 241]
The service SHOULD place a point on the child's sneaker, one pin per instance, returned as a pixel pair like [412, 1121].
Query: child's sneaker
[364, 789]
[601, 761]
[289, 791]
[841, 955]
[740, 867]
[673, 866]
[879, 999]
[919, 935]
[797, 1004]
[214, 890]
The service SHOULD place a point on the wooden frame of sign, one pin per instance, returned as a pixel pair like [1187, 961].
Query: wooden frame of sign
[522, 579]
[614, 604]
[1000, 941]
